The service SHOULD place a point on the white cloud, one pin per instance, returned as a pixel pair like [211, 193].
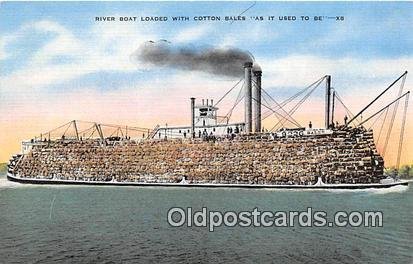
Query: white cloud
[3, 54]
[358, 81]
[26, 29]
[301, 70]
[105, 48]
[6, 40]
[112, 45]
[64, 43]
[3, 42]
[191, 34]
[239, 36]
[35, 78]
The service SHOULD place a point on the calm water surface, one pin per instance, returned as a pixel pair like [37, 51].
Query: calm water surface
[49, 224]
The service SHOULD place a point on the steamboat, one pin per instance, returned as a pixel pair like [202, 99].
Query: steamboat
[214, 152]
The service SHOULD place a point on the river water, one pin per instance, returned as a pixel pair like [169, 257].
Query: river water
[80, 224]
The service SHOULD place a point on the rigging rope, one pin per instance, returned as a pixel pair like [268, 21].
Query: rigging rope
[375, 99]
[288, 100]
[394, 112]
[228, 92]
[292, 111]
[375, 121]
[384, 108]
[348, 111]
[289, 117]
[87, 129]
[70, 124]
[230, 113]
[302, 91]
[93, 132]
[237, 101]
[277, 114]
[399, 152]
[382, 125]
[65, 124]
[271, 110]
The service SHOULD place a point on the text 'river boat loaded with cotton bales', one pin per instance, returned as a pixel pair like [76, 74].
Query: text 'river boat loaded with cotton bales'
[214, 153]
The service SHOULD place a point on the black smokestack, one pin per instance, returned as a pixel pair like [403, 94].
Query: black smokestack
[225, 62]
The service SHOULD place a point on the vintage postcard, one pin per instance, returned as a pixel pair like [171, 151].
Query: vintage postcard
[193, 132]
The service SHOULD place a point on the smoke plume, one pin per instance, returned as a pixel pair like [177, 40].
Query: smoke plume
[224, 62]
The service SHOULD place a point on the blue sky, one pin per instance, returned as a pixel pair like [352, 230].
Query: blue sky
[53, 53]
[365, 23]
[371, 30]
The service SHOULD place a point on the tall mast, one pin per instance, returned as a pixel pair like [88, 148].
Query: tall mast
[333, 106]
[76, 131]
[327, 101]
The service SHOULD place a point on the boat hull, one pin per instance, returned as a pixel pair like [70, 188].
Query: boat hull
[13, 178]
